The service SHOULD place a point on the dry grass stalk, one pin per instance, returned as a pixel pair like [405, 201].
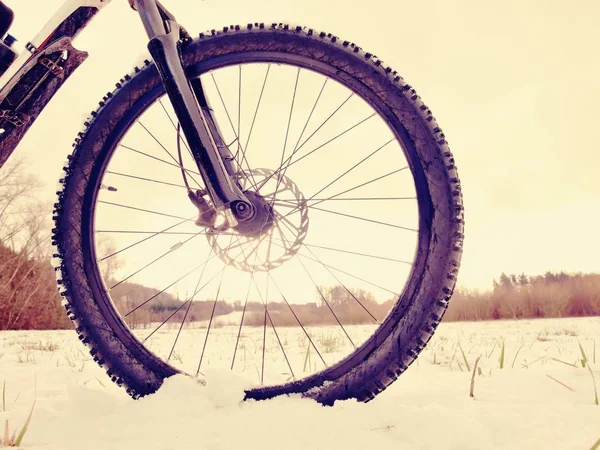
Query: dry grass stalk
[473, 377]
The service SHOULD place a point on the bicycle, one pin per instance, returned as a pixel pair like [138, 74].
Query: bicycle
[266, 219]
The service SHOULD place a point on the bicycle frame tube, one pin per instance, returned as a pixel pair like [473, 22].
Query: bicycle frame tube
[68, 8]
[39, 72]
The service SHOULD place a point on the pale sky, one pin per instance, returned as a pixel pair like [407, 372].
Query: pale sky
[514, 86]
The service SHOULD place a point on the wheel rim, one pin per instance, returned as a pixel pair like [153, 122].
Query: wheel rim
[323, 349]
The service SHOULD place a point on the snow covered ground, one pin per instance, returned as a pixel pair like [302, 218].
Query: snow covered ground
[542, 398]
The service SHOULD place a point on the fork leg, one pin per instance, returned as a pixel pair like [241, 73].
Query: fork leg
[165, 36]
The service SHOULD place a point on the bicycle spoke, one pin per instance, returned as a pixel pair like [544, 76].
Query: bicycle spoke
[329, 141]
[144, 239]
[344, 286]
[175, 127]
[324, 299]
[188, 171]
[172, 284]
[287, 130]
[344, 272]
[393, 172]
[310, 116]
[366, 255]
[224, 106]
[252, 279]
[296, 318]
[166, 320]
[262, 371]
[239, 244]
[188, 301]
[187, 310]
[282, 236]
[163, 290]
[286, 202]
[281, 346]
[327, 303]
[339, 282]
[178, 137]
[168, 252]
[258, 242]
[239, 117]
[308, 139]
[374, 152]
[145, 179]
[262, 90]
[275, 192]
[158, 142]
[291, 163]
[149, 232]
[268, 316]
[237, 341]
[286, 222]
[237, 136]
[364, 219]
[144, 210]
[189, 305]
[212, 314]
[326, 120]
[296, 148]
[167, 151]
[349, 274]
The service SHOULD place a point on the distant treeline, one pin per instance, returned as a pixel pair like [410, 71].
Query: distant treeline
[335, 303]
[527, 297]
[29, 300]
[350, 307]
[141, 306]
[512, 297]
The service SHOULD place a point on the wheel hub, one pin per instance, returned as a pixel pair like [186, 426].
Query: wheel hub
[262, 221]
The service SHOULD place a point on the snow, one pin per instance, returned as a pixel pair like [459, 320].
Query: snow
[428, 407]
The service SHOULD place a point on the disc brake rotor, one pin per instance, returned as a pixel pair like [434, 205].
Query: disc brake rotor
[282, 234]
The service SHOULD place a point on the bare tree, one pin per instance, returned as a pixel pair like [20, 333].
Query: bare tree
[28, 295]
[109, 260]
[16, 189]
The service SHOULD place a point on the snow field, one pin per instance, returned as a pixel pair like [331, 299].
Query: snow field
[531, 393]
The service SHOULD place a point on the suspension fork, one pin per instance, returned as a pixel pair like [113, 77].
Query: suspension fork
[212, 156]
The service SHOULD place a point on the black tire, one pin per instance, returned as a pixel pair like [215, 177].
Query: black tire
[412, 320]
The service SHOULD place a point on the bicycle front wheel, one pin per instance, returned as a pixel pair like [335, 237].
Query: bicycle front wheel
[347, 274]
